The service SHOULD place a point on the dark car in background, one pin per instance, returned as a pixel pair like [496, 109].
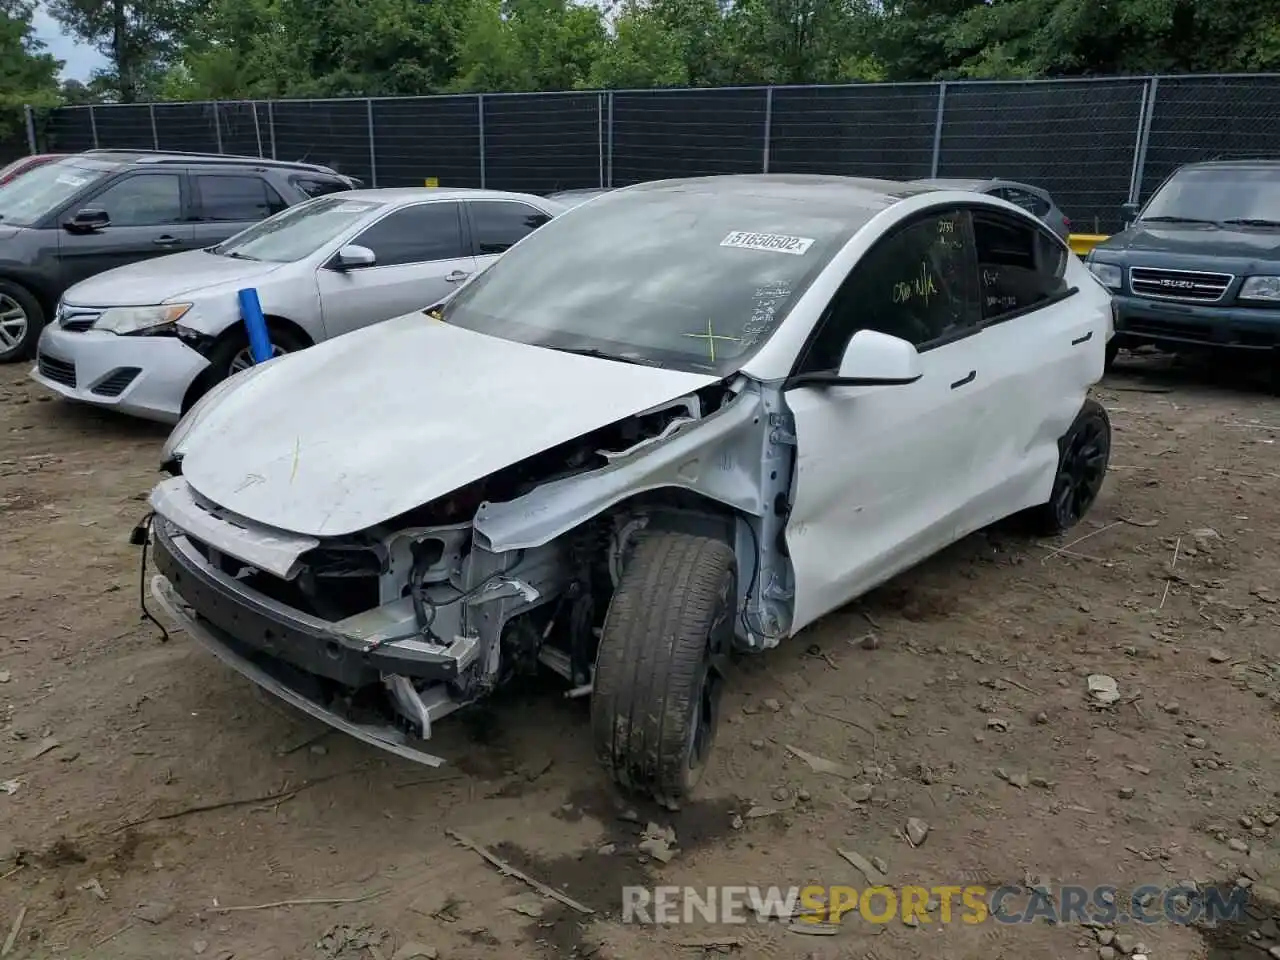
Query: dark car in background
[1034, 200]
[71, 218]
[1198, 268]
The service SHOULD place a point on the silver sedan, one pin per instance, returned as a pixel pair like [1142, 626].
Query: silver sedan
[150, 338]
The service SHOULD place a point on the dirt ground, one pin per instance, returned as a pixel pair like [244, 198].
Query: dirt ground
[148, 795]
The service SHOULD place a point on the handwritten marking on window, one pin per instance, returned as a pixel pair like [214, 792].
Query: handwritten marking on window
[711, 337]
[1004, 303]
[990, 278]
[920, 287]
[946, 226]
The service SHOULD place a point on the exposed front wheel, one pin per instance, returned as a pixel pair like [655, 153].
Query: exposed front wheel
[1113, 349]
[1083, 454]
[659, 667]
[232, 355]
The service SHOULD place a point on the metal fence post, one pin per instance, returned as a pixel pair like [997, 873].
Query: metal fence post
[609, 141]
[155, 134]
[93, 125]
[373, 154]
[937, 128]
[271, 128]
[31, 126]
[257, 128]
[217, 125]
[768, 126]
[600, 135]
[480, 114]
[1144, 137]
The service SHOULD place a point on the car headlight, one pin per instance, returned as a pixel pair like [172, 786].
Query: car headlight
[172, 446]
[1109, 274]
[1261, 288]
[124, 320]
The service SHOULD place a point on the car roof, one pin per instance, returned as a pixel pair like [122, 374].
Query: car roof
[409, 194]
[861, 194]
[213, 159]
[1258, 163]
[955, 183]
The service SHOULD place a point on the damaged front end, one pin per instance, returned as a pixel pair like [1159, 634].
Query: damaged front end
[383, 632]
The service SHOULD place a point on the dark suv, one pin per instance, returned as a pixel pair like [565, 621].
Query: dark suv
[69, 219]
[1199, 266]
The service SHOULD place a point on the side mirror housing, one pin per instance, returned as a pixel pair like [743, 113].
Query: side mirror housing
[1129, 212]
[88, 220]
[354, 257]
[871, 359]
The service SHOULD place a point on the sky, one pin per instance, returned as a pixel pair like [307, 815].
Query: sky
[80, 59]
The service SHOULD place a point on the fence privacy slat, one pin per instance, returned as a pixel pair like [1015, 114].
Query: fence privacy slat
[1089, 142]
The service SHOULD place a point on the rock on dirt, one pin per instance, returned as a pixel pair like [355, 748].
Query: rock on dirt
[917, 830]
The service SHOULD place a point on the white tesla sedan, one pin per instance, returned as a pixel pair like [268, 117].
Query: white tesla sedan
[150, 338]
[686, 417]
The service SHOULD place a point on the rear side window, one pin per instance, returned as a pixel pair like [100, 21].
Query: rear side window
[317, 187]
[237, 198]
[1019, 266]
[499, 224]
[1028, 201]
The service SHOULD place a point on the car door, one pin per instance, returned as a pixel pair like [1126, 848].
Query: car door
[420, 256]
[883, 473]
[148, 213]
[497, 225]
[1044, 345]
[228, 202]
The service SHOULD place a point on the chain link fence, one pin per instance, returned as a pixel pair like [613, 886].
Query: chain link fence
[1093, 143]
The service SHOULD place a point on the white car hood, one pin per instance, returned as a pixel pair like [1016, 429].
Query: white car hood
[361, 428]
[165, 278]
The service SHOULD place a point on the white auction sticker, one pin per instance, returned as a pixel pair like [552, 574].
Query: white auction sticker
[776, 242]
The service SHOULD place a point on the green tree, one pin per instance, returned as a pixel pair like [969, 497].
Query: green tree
[509, 45]
[28, 75]
[138, 37]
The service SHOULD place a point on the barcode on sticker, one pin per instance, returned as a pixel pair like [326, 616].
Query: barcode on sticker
[776, 242]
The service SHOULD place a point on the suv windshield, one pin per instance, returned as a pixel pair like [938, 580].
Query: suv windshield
[42, 189]
[1218, 195]
[691, 279]
[297, 232]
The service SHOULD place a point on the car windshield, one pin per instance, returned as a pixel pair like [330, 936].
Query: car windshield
[694, 279]
[297, 232]
[1218, 195]
[26, 199]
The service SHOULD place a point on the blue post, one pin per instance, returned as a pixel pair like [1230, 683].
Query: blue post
[256, 324]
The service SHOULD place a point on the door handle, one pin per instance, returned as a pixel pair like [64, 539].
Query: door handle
[973, 375]
[165, 241]
[1079, 340]
[456, 276]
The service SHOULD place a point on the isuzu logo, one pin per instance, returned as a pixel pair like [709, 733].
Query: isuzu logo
[1177, 284]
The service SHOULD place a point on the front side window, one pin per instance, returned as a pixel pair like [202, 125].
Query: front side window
[297, 232]
[41, 190]
[417, 234]
[144, 200]
[918, 284]
[500, 224]
[237, 198]
[1019, 266]
[692, 276]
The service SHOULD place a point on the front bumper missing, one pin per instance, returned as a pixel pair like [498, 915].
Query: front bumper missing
[384, 737]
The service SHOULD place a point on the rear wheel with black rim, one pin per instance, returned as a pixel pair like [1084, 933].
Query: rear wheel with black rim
[21, 320]
[1083, 454]
[660, 664]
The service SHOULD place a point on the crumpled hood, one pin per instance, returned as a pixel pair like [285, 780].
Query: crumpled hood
[165, 278]
[366, 426]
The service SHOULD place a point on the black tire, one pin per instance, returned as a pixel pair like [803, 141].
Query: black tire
[1083, 454]
[1113, 348]
[16, 297]
[222, 359]
[660, 663]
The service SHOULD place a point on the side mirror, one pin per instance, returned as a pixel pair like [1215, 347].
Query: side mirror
[871, 359]
[88, 220]
[353, 257]
[1129, 212]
